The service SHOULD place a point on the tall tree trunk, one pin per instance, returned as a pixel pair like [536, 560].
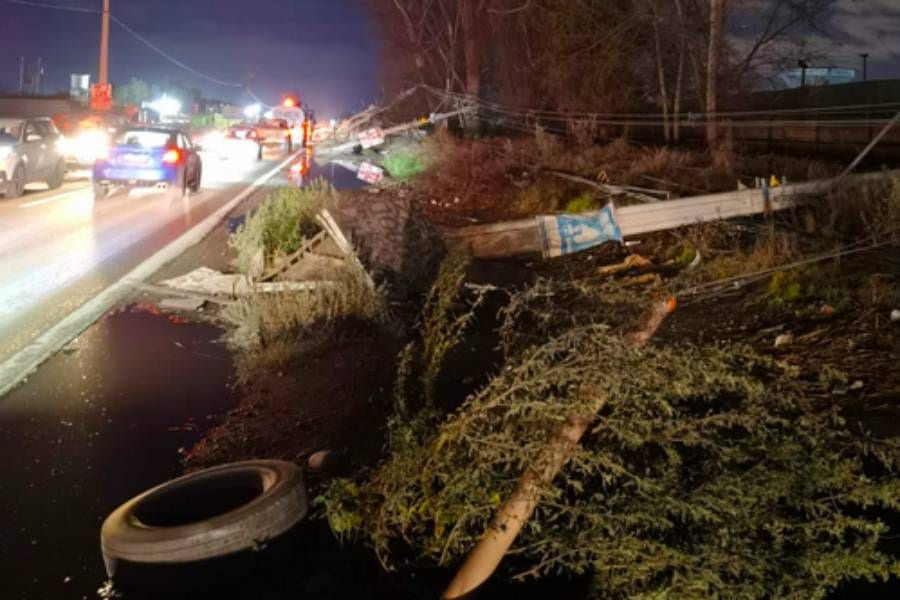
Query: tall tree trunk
[716, 26]
[679, 77]
[676, 108]
[472, 52]
[661, 74]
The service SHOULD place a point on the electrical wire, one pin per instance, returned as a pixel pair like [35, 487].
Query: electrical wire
[172, 59]
[691, 116]
[53, 6]
[133, 33]
[256, 98]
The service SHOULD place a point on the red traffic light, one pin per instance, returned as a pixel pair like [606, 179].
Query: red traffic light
[289, 102]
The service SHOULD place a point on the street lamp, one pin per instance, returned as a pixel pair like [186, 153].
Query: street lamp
[166, 106]
[865, 57]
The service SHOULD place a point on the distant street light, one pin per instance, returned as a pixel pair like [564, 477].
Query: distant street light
[166, 107]
[252, 111]
[865, 57]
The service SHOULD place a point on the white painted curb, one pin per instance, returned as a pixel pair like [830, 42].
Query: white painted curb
[24, 362]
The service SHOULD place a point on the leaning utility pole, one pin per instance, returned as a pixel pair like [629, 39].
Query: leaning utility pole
[104, 45]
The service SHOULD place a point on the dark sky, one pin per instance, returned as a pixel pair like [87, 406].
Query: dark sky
[325, 50]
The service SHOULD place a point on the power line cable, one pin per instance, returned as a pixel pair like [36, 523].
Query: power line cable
[172, 59]
[53, 6]
[132, 32]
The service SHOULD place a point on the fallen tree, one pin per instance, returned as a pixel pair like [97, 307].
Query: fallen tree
[707, 472]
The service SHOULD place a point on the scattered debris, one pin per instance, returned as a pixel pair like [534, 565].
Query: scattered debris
[183, 304]
[370, 173]
[783, 340]
[209, 281]
[634, 262]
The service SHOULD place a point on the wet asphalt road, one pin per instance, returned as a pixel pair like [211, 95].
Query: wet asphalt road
[60, 248]
[99, 423]
[110, 415]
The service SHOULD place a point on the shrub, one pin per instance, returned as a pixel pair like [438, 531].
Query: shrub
[403, 165]
[583, 203]
[261, 320]
[706, 474]
[277, 226]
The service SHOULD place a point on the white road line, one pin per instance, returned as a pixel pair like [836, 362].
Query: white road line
[24, 362]
[53, 198]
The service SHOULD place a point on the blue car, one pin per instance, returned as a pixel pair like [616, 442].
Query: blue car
[153, 157]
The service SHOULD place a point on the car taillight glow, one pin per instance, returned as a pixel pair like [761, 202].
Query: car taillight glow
[172, 156]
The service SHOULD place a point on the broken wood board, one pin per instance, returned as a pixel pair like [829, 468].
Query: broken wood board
[530, 236]
[168, 291]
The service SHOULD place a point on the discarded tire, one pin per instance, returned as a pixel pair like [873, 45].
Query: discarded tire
[206, 515]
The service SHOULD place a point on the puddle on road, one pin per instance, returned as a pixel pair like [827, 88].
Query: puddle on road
[99, 423]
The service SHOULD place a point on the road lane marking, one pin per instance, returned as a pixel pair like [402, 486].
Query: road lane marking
[52, 198]
[26, 361]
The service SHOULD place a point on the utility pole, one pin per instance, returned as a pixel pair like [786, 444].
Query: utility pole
[803, 67]
[865, 57]
[39, 82]
[104, 46]
[101, 92]
[22, 75]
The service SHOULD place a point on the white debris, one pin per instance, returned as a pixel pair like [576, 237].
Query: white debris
[209, 281]
[182, 304]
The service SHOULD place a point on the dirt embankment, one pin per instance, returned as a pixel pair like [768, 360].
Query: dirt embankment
[369, 392]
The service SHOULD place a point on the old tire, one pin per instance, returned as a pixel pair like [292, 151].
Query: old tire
[207, 515]
[195, 185]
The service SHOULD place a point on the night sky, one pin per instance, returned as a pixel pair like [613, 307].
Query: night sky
[325, 50]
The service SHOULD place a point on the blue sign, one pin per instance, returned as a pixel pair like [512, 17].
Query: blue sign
[568, 234]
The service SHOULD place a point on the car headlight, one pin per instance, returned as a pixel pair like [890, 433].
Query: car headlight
[64, 146]
[91, 145]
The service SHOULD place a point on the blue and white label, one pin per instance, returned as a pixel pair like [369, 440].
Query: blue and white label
[567, 234]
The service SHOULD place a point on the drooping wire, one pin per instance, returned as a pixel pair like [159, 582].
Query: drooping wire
[171, 58]
[53, 6]
[134, 34]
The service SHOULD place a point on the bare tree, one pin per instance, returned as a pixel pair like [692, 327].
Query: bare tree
[716, 30]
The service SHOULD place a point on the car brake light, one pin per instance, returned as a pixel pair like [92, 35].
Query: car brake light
[172, 156]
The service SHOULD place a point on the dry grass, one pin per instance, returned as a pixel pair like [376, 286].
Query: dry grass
[503, 178]
[270, 330]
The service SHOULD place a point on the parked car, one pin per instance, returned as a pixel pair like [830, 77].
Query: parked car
[29, 152]
[156, 157]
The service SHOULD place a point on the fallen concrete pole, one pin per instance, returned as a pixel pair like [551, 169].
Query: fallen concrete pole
[487, 554]
[352, 145]
[559, 235]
